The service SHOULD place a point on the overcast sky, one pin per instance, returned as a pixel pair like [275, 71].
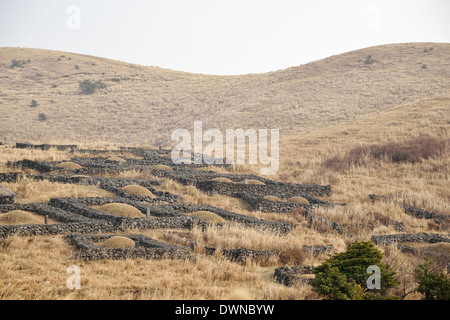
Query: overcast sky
[219, 37]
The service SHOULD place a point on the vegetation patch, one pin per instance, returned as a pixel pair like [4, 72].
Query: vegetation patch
[89, 87]
[207, 216]
[221, 179]
[68, 165]
[121, 209]
[161, 167]
[253, 181]
[272, 198]
[18, 63]
[19, 217]
[410, 151]
[116, 159]
[117, 242]
[138, 191]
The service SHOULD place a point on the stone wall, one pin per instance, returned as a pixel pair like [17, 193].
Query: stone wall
[176, 210]
[405, 237]
[81, 207]
[7, 199]
[240, 255]
[290, 276]
[69, 222]
[11, 176]
[148, 248]
[41, 166]
[411, 210]
[76, 217]
[93, 180]
[45, 146]
[422, 214]
[278, 189]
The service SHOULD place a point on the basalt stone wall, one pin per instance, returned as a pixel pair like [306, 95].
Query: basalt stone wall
[188, 176]
[414, 211]
[80, 206]
[441, 258]
[148, 248]
[45, 146]
[54, 229]
[41, 166]
[318, 250]
[11, 176]
[281, 190]
[420, 213]
[420, 237]
[265, 205]
[175, 210]
[280, 227]
[240, 255]
[69, 222]
[160, 196]
[84, 204]
[93, 180]
[289, 276]
[7, 199]
[115, 185]
[44, 209]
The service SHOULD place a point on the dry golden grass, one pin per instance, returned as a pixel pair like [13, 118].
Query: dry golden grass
[252, 181]
[161, 167]
[121, 209]
[239, 294]
[208, 216]
[116, 159]
[272, 198]
[42, 191]
[441, 248]
[17, 217]
[11, 154]
[357, 105]
[220, 179]
[209, 278]
[138, 190]
[117, 242]
[79, 176]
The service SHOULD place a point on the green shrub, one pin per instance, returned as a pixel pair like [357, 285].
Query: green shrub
[18, 63]
[42, 117]
[89, 87]
[77, 67]
[434, 285]
[369, 60]
[34, 104]
[343, 276]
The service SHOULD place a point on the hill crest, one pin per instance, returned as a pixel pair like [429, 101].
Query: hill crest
[143, 105]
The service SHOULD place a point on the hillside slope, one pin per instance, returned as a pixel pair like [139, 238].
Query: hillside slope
[143, 105]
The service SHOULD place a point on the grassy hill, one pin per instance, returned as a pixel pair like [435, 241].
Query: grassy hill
[143, 105]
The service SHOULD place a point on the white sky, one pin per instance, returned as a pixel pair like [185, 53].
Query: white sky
[220, 37]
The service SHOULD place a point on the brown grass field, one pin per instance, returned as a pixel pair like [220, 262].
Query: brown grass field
[325, 110]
